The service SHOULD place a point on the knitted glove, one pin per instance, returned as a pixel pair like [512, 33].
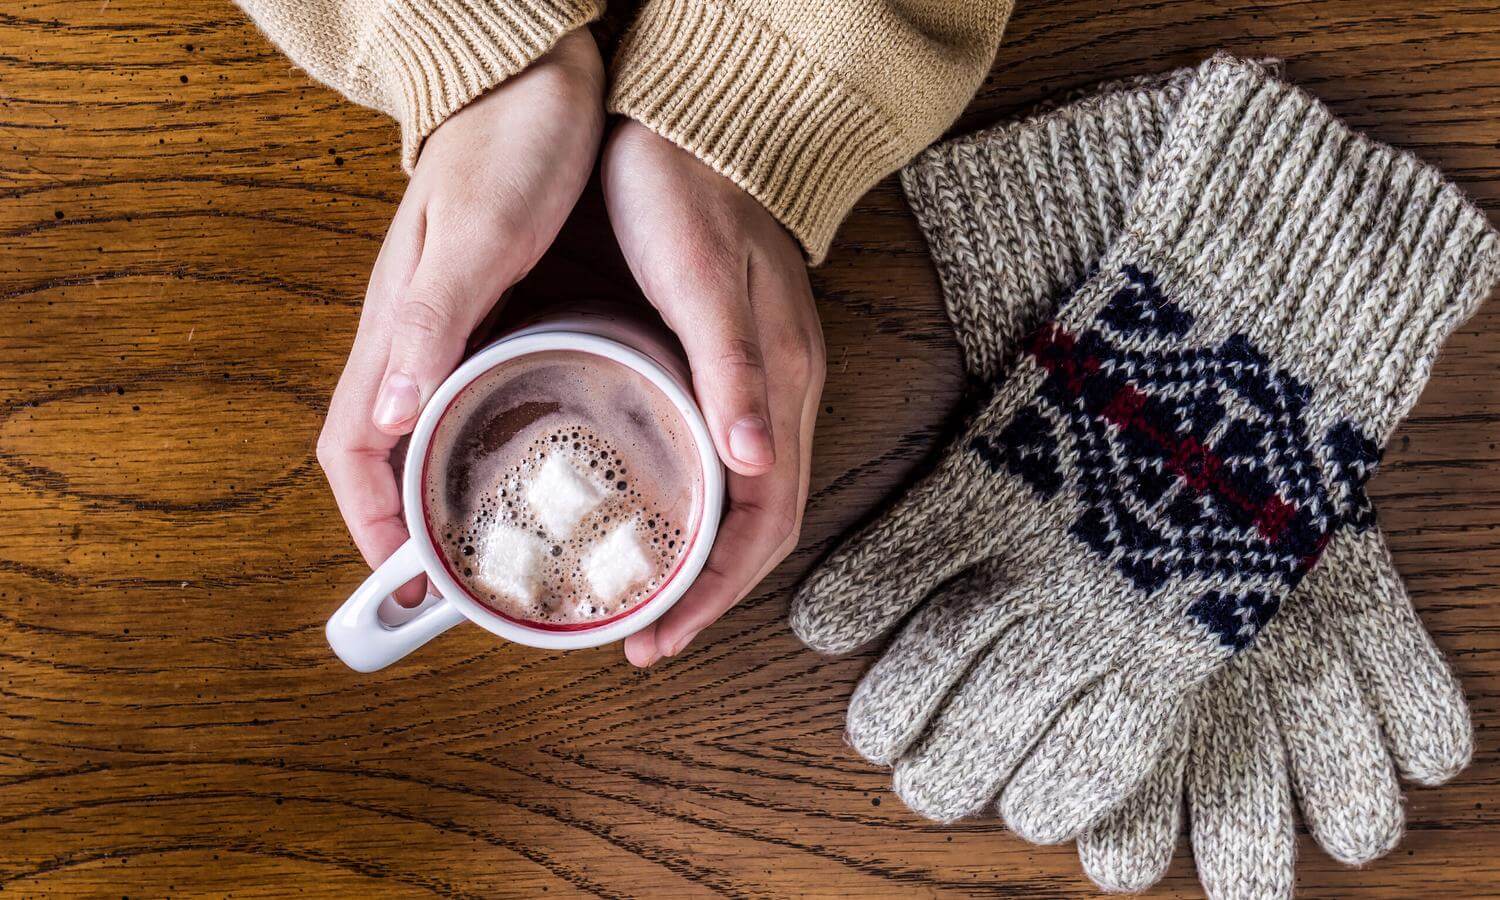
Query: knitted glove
[1341, 690]
[1367, 662]
[1167, 460]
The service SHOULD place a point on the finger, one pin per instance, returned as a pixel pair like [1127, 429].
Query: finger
[991, 720]
[762, 524]
[713, 317]
[897, 697]
[1420, 704]
[364, 487]
[430, 323]
[354, 454]
[1099, 752]
[1346, 787]
[706, 262]
[758, 531]
[759, 528]
[1239, 796]
[1131, 848]
[875, 578]
[640, 648]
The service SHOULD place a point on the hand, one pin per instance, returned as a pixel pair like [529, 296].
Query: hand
[731, 282]
[491, 190]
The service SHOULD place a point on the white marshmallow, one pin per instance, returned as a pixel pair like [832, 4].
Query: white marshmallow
[561, 497]
[510, 562]
[617, 563]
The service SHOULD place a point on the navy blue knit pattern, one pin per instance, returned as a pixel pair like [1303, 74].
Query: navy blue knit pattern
[1187, 460]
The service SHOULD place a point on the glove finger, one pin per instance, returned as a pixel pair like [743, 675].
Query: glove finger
[987, 725]
[1103, 746]
[1419, 703]
[897, 697]
[1131, 848]
[874, 579]
[1344, 778]
[1239, 795]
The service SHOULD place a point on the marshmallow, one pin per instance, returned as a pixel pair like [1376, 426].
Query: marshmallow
[617, 563]
[510, 562]
[561, 497]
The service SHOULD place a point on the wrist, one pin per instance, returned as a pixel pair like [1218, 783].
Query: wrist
[563, 88]
[635, 155]
[806, 144]
[424, 62]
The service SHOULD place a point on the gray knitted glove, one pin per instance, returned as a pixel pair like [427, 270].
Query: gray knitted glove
[1366, 662]
[1167, 460]
[1341, 690]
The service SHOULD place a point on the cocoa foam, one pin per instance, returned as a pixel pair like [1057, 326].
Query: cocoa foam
[613, 428]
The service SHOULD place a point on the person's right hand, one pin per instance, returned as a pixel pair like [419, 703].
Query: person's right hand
[491, 189]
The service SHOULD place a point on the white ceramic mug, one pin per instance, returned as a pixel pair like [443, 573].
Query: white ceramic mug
[357, 632]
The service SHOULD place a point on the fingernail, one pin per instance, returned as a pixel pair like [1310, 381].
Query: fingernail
[399, 401]
[750, 442]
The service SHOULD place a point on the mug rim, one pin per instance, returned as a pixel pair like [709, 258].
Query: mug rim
[584, 635]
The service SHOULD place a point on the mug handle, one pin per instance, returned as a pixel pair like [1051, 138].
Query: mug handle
[365, 643]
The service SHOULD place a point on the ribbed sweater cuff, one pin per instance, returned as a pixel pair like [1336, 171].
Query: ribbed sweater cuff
[434, 56]
[750, 104]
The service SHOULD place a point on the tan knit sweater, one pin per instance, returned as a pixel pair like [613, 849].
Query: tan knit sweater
[803, 103]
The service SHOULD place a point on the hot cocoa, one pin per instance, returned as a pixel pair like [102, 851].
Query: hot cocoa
[563, 488]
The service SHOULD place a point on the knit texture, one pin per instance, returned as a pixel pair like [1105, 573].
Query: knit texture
[418, 61]
[1341, 693]
[1017, 214]
[1090, 618]
[1370, 660]
[1056, 187]
[804, 104]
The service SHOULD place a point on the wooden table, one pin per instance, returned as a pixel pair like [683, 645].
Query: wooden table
[186, 224]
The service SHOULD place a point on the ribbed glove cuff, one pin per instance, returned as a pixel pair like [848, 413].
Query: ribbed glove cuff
[1346, 261]
[1014, 213]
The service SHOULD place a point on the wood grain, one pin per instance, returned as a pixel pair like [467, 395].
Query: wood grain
[186, 224]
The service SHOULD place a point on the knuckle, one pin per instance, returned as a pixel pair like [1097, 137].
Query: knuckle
[791, 534]
[785, 523]
[789, 528]
[779, 521]
[742, 359]
[800, 357]
[327, 450]
[424, 312]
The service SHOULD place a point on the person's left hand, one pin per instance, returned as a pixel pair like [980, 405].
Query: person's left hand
[732, 284]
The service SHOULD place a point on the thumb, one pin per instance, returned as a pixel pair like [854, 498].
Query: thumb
[731, 382]
[428, 330]
[712, 317]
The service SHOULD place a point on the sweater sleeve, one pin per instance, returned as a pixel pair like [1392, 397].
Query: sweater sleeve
[418, 61]
[805, 103]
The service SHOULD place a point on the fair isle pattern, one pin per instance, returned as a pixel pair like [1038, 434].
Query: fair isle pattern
[1344, 687]
[1187, 460]
[1029, 668]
